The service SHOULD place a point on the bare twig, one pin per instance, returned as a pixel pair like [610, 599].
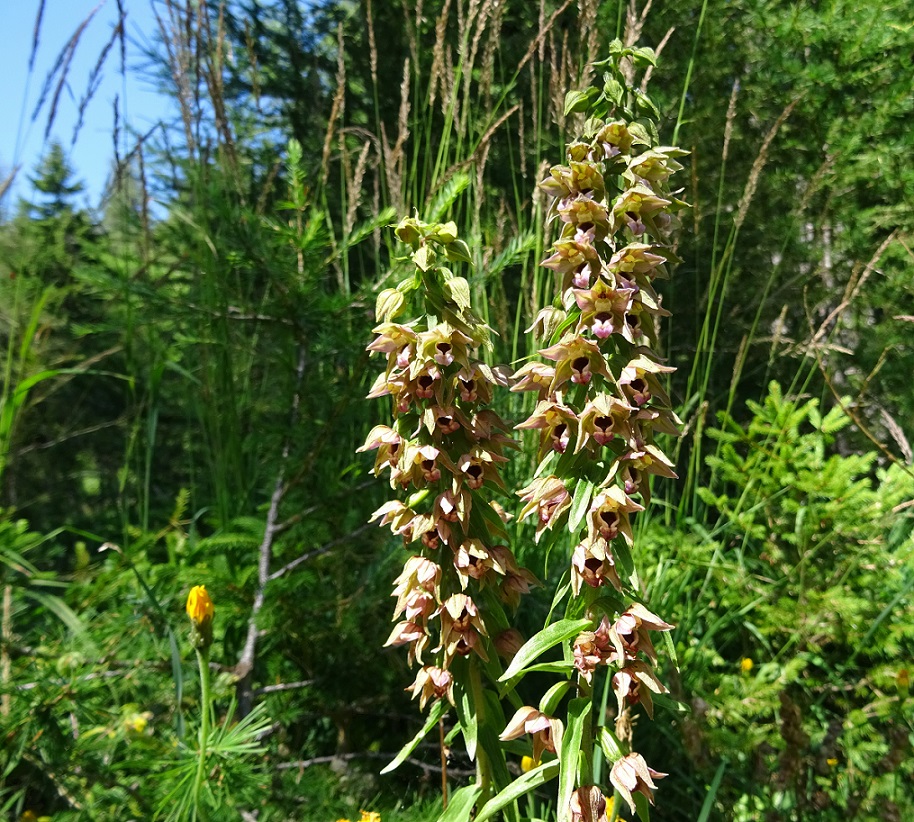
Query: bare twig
[6, 637]
[853, 288]
[283, 686]
[245, 666]
[291, 566]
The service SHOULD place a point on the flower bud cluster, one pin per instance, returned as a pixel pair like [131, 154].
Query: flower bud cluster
[444, 448]
[600, 399]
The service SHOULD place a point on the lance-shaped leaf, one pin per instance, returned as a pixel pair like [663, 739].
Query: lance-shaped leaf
[538, 644]
[518, 788]
[569, 756]
[434, 715]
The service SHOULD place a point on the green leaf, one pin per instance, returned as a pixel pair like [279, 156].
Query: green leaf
[553, 696]
[389, 304]
[623, 556]
[576, 101]
[424, 258]
[461, 804]
[446, 233]
[466, 713]
[557, 667]
[458, 289]
[613, 89]
[708, 804]
[609, 604]
[578, 713]
[671, 704]
[670, 647]
[542, 642]
[60, 609]
[458, 251]
[518, 788]
[644, 56]
[610, 745]
[579, 506]
[436, 712]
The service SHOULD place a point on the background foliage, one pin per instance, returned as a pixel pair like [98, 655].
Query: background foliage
[184, 381]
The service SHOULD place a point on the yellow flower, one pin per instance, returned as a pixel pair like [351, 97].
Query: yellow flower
[746, 665]
[199, 606]
[831, 762]
[136, 722]
[370, 816]
[527, 764]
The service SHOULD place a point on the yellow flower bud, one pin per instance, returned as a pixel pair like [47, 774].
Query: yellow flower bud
[199, 606]
[746, 665]
[200, 610]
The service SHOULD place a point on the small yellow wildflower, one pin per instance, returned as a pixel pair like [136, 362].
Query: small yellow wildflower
[527, 764]
[136, 722]
[746, 665]
[370, 816]
[831, 761]
[199, 606]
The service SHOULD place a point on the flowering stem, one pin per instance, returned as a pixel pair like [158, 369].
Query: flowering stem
[203, 664]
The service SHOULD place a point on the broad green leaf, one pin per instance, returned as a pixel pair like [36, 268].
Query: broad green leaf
[613, 90]
[389, 304]
[436, 712]
[578, 713]
[642, 807]
[557, 667]
[424, 258]
[542, 642]
[518, 788]
[458, 289]
[644, 56]
[581, 503]
[460, 805]
[623, 557]
[576, 101]
[458, 251]
[466, 713]
[446, 232]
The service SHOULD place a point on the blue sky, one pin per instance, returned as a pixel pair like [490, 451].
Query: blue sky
[22, 141]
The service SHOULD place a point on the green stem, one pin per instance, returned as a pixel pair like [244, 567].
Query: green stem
[203, 663]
